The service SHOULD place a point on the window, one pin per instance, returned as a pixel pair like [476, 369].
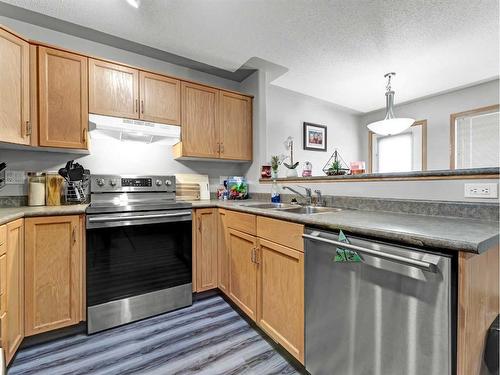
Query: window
[394, 153]
[475, 138]
[402, 152]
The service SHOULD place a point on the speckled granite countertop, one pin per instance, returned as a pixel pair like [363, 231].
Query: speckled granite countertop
[13, 213]
[469, 235]
[457, 234]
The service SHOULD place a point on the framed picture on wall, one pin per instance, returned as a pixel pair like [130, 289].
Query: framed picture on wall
[314, 137]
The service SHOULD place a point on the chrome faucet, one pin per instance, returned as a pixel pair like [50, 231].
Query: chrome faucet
[307, 197]
[319, 199]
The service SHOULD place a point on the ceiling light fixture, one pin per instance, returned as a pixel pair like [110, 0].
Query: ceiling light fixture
[390, 124]
[134, 3]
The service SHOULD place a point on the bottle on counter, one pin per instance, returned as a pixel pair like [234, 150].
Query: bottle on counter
[275, 193]
[36, 188]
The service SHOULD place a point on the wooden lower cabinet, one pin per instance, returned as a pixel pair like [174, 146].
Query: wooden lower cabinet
[222, 253]
[54, 278]
[280, 295]
[243, 272]
[12, 320]
[205, 243]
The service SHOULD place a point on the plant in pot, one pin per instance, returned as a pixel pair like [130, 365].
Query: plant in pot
[275, 163]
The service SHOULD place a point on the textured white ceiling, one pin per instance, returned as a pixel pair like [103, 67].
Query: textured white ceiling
[335, 50]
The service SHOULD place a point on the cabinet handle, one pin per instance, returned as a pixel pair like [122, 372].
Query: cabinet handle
[84, 136]
[142, 106]
[253, 255]
[28, 128]
[136, 104]
[199, 226]
[73, 235]
[257, 255]
[222, 148]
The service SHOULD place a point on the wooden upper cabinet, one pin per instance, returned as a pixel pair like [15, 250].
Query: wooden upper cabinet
[63, 99]
[160, 98]
[53, 282]
[206, 249]
[200, 126]
[13, 319]
[14, 89]
[113, 89]
[280, 295]
[235, 116]
[243, 272]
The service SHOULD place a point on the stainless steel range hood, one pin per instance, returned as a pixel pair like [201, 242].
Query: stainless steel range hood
[134, 130]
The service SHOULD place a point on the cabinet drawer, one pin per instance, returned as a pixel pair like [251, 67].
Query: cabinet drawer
[3, 239]
[281, 232]
[241, 221]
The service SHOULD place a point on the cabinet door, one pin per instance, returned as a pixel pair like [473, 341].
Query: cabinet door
[53, 281]
[160, 98]
[280, 311]
[13, 322]
[206, 249]
[200, 127]
[222, 252]
[113, 89]
[235, 126]
[243, 272]
[63, 99]
[14, 89]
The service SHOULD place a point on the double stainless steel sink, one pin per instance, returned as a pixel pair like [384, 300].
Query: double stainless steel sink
[295, 208]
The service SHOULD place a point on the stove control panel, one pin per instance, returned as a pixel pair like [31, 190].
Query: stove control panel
[113, 183]
[137, 182]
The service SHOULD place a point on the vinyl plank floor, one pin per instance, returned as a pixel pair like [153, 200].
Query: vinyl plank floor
[207, 338]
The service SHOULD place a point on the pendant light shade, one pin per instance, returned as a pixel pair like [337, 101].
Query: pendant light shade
[390, 124]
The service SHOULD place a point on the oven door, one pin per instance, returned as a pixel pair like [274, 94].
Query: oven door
[138, 265]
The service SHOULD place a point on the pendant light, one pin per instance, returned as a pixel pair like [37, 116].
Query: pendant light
[390, 124]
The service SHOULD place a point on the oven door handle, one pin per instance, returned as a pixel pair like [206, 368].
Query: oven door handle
[104, 219]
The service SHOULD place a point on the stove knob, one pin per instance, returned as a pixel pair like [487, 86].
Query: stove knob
[112, 182]
[100, 182]
[158, 182]
[168, 182]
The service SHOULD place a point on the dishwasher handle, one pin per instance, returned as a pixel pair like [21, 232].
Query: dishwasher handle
[423, 265]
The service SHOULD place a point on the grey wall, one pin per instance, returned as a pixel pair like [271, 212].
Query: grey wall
[286, 112]
[110, 155]
[436, 110]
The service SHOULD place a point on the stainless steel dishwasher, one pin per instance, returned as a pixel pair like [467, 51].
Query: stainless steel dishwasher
[389, 311]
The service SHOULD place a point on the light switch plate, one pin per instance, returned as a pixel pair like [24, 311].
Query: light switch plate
[486, 190]
[15, 177]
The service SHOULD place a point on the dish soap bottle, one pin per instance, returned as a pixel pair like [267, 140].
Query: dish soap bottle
[275, 193]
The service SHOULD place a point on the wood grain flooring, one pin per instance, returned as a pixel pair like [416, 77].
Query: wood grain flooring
[206, 338]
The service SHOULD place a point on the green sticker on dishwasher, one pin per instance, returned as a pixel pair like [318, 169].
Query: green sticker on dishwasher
[346, 255]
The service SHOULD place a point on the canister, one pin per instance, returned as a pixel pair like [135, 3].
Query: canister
[36, 188]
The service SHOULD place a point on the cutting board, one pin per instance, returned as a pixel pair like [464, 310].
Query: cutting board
[187, 192]
[200, 179]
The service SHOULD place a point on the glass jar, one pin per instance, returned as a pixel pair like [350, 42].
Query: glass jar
[36, 188]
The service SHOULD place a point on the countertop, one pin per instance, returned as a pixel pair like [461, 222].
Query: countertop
[474, 236]
[13, 213]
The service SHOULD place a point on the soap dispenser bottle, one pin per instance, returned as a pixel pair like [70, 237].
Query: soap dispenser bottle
[275, 193]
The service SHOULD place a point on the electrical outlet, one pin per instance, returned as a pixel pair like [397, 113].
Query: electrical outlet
[15, 177]
[481, 191]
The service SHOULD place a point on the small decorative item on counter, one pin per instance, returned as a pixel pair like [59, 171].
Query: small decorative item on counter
[265, 171]
[335, 165]
[36, 188]
[358, 167]
[237, 188]
[54, 189]
[276, 160]
[275, 193]
[307, 171]
[291, 168]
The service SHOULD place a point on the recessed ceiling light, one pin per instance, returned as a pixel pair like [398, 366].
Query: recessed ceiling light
[134, 3]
